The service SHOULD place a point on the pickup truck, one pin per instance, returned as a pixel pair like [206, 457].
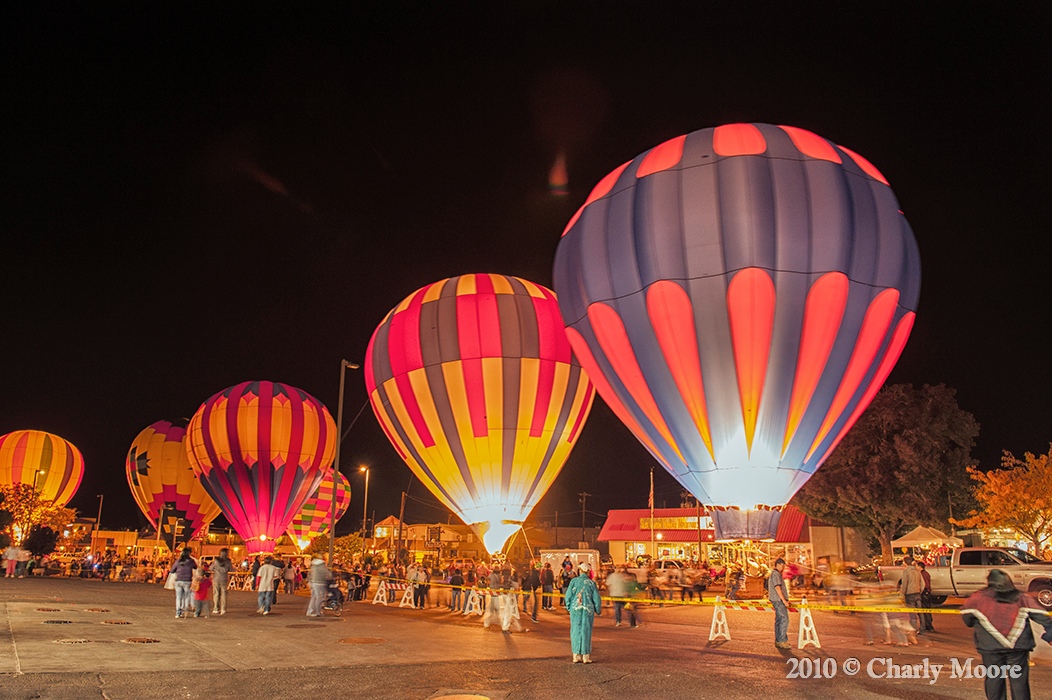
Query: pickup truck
[964, 572]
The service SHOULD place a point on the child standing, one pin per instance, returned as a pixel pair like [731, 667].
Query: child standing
[202, 593]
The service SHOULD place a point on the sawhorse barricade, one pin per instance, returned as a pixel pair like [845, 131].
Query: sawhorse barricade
[387, 589]
[474, 604]
[719, 629]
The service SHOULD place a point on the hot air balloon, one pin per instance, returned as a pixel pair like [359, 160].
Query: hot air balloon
[53, 466]
[474, 383]
[316, 515]
[739, 295]
[260, 449]
[162, 481]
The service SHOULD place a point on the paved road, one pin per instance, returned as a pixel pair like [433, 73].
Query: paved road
[378, 652]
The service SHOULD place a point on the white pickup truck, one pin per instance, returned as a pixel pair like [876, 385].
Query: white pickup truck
[964, 572]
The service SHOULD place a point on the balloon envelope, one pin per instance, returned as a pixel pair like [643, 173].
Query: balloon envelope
[315, 517]
[260, 449]
[161, 479]
[474, 383]
[739, 295]
[24, 454]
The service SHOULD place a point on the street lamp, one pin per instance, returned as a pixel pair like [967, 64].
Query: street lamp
[365, 507]
[344, 364]
[98, 525]
[36, 481]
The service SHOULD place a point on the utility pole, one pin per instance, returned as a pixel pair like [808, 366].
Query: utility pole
[401, 517]
[556, 545]
[584, 498]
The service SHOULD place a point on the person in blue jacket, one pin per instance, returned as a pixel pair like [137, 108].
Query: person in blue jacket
[583, 602]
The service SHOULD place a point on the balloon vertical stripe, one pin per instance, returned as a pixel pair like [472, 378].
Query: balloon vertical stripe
[823, 312]
[891, 356]
[871, 336]
[671, 315]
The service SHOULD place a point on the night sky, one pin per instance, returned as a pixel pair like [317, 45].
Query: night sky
[206, 196]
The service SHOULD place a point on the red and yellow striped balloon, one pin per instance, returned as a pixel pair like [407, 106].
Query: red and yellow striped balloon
[42, 460]
[316, 515]
[473, 380]
[159, 473]
[260, 449]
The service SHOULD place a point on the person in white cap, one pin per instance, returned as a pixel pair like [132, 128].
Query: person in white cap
[583, 602]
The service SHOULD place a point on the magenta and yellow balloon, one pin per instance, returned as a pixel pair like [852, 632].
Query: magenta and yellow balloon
[260, 449]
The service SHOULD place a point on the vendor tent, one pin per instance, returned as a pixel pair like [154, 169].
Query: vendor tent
[926, 537]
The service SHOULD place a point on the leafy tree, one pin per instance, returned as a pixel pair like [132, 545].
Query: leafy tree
[1019, 497]
[41, 541]
[344, 549]
[5, 524]
[903, 463]
[28, 509]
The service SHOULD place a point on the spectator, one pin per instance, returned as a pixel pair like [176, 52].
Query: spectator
[204, 586]
[547, 586]
[183, 569]
[318, 580]
[1001, 615]
[221, 568]
[583, 602]
[268, 578]
[456, 581]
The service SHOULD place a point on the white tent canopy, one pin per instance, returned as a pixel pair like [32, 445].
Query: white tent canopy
[926, 537]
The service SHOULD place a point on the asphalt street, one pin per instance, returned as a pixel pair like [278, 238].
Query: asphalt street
[62, 638]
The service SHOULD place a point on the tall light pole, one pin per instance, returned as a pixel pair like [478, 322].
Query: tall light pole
[98, 525]
[344, 364]
[36, 481]
[365, 508]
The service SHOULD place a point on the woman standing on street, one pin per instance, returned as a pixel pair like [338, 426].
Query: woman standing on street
[583, 601]
[183, 569]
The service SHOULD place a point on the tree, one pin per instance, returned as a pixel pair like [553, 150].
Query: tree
[1018, 496]
[41, 541]
[28, 509]
[905, 462]
[5, 524]
[344, 548]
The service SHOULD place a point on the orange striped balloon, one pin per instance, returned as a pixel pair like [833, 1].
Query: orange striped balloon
[42, 460]
[474, 382]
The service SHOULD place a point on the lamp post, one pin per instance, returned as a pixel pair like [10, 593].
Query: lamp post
[98, 525]
[344, 364]
[365, 507]
[36, 481]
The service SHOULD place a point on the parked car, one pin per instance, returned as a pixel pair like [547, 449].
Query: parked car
[966, 570]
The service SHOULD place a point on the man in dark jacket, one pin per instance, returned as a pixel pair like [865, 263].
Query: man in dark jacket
[1001, 615]
[532, 585]
[547, 586]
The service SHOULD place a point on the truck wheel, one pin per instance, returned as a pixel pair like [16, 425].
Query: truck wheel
[937, 600]
[1042, 591]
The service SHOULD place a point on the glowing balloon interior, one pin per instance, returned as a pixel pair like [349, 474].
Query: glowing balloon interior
[315, 517]
[739, 295]
[161, 479]
[53, 466]
[473, 381]
[260, 449]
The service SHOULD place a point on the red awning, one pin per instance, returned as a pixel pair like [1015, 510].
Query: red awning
[624, 526]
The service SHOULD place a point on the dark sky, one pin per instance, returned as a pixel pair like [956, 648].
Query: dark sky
[206, 196]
